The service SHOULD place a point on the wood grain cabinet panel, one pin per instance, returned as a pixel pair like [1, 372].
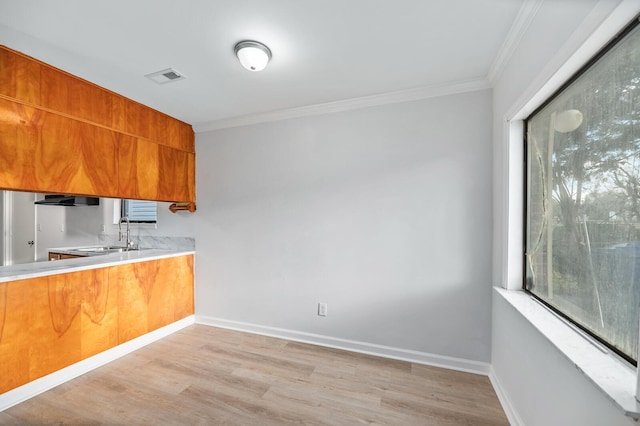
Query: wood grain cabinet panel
[76, 157]
[19, 142]
[42, 151]
[146, 123]
[173, 300]
[54, 323]
[49, 323]
[175, 183]
[64, 134]
[179, 272]
[29, 80]
[71, 96]
[149, 171]
[19, 77]
[175, 134]
[14, 335]
[136, 285]
[99, 316]
[154, 294]
[139, 168]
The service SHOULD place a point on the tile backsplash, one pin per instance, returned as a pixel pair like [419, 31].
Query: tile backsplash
[152, 241]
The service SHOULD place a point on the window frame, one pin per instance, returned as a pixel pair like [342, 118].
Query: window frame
[632, 25]
[123, 203]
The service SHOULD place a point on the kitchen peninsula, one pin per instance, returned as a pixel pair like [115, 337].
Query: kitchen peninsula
[55, 314]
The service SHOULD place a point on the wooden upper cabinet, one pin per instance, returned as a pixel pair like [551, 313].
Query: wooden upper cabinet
[46, 151]
[59, 133]
[19, 141]
[85, 164]
[175, 184]
[19, 76]
[154, 172]
[64, 93]
[139, 172]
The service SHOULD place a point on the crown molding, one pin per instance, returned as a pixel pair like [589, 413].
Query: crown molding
[525, 16]
[416, 94]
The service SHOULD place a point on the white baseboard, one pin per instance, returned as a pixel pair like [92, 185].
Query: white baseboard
[451, 363]
[31, 389]
[512, 414]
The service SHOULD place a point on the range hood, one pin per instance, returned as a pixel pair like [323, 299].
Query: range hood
[68, 200]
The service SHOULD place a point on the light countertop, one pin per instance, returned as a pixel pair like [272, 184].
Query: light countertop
[45, 268]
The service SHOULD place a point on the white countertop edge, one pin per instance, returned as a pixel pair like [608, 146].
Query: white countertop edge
[613, 376]
[46, 268]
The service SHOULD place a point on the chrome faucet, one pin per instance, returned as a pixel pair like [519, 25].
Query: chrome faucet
[129, 243]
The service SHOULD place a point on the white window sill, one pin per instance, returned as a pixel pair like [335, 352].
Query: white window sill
[613, 376]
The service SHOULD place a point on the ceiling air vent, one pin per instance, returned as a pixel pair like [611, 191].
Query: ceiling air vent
[165, 76]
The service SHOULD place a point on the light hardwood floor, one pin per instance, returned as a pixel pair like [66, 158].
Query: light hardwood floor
[211, 376]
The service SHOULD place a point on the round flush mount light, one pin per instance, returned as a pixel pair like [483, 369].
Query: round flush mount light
[253, 55]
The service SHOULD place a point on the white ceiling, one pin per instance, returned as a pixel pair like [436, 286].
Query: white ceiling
[323, 50]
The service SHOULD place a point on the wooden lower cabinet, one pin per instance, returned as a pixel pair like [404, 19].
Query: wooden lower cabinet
[49, 323]
[153, 294]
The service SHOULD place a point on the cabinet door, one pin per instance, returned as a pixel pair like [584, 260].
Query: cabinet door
[64, 93]
[143, 122]
[138, 168]
[19, 77]
[18, 145]
[153, 294]
[177, 175]
[14, 335]
[49, 323]
[149, 171]
[47, 152]
[76, 157]
[99, 315]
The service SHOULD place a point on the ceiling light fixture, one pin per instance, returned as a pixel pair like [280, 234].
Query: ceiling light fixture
[253, 55]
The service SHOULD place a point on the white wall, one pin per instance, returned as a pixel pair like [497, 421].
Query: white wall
[384, 213]
[541, 385]
[65, 227]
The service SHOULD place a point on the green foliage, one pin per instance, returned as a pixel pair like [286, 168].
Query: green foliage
[589, 199]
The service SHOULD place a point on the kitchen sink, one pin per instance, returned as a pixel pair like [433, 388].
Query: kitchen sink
[103, 249]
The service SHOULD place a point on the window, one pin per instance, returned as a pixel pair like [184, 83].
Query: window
[139, 211]
[582, 213]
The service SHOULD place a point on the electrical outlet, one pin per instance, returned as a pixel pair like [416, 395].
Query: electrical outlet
[61, 227]
[103, 228]
[322, 309]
